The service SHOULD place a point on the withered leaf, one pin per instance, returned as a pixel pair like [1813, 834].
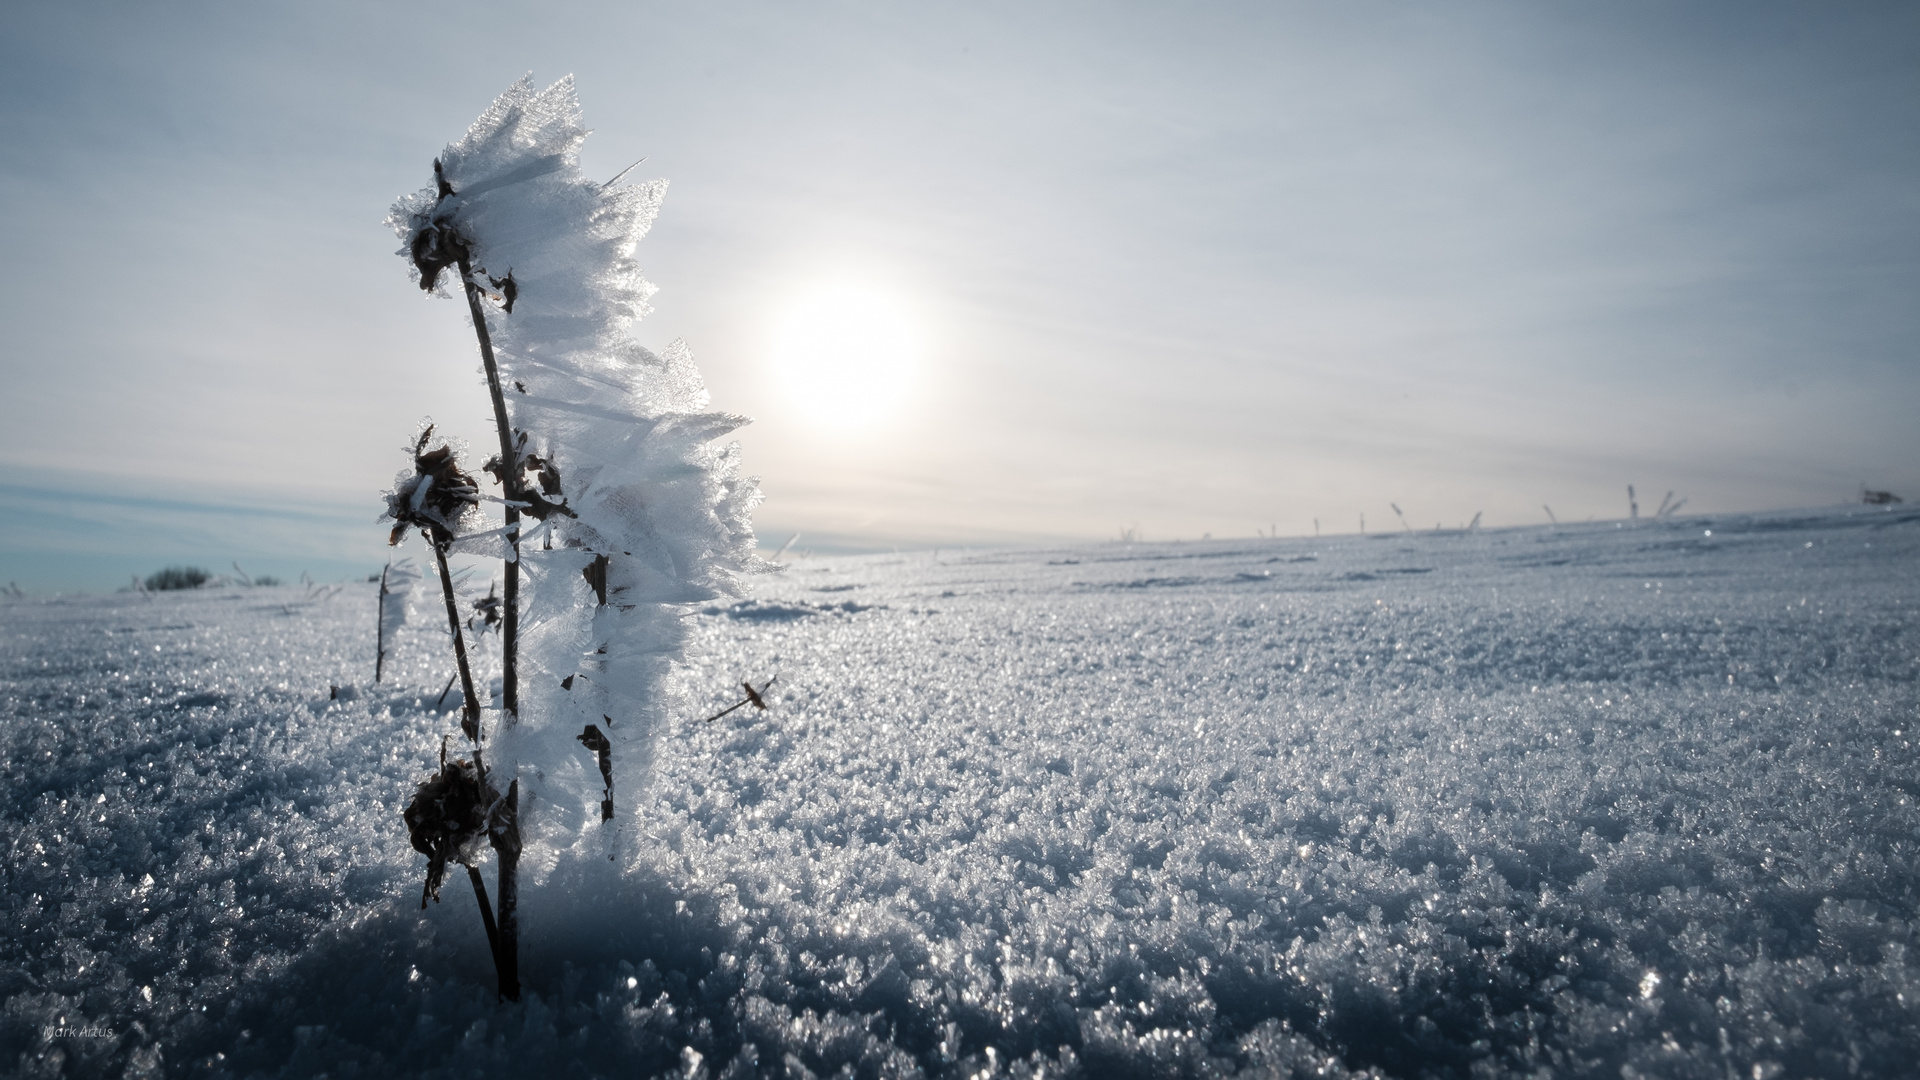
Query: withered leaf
[596, 575]
[594, 740]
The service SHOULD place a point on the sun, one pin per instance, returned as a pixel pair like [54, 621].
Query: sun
[847, 354]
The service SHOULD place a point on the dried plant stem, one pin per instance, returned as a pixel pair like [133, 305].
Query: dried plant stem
[503, 936]
[505, 837]
[510, 483]
[380, 628]
[506, 830]
[486, 914]
[470, 720]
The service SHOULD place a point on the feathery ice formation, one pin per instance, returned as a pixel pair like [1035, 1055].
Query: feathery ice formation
[634, 513]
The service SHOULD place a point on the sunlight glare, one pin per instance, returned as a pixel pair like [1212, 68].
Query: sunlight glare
[846, 355]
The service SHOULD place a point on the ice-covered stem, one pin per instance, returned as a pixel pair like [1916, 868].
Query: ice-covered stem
[439, 498]
[380, 628]
[503, 831]
[510, 488]
[470, 717]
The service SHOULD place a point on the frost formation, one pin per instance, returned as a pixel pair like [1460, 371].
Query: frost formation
[1589, 802]
[398, 581]
[639, 514]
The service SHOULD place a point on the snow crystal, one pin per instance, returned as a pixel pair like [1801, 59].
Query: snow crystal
[1584, 801]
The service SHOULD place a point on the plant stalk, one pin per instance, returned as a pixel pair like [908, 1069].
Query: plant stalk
[486, 914]
[380, 629]
[470, 721]
[510, 483]
[505, 837]
[503, 937]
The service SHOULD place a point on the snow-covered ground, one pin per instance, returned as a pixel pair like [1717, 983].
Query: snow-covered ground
[1599, 800]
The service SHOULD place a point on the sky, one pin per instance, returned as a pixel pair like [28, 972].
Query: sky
[1166, 271]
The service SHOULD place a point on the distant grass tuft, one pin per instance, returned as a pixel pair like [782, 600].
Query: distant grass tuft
[178, 577]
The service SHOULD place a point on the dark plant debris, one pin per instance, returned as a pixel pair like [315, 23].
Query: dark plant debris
[486, 612]
[435, 497]
[448, 819]
[596, 574]
[753, 698]
[538, 488]
[593, 739]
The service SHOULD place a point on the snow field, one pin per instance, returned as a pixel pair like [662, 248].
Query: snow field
[1590, 801]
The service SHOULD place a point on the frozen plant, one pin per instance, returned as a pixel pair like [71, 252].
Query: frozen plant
[457, 807]
[440, 499]
[605, 448]
[397, 581]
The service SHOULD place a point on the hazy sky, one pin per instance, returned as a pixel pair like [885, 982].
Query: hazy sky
[1184, 269]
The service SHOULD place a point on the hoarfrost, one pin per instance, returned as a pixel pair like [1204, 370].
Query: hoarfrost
[642, 515]
[398, 580]
[1448, 824]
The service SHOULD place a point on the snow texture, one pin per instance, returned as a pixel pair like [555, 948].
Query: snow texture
[1594, 801]
[622, 436]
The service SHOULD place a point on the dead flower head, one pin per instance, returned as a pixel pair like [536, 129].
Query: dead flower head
[448, 820]
[436, 244]
[434, 497]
